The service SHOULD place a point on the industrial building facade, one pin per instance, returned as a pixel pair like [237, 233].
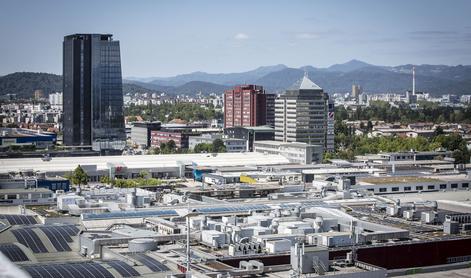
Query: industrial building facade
[304, 113]
[93, 95]
[23, 136]
[164, 136]
[250, 134]
[295, 152]
[141, 132]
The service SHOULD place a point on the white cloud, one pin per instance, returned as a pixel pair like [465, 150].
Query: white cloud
[241, 36]
[307, 36]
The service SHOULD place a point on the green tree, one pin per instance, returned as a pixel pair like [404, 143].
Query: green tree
[154, 150]
[327, 157]
[218, 146]
[369, 126]
[79, 176]
[166, 112]
[163, 148]
[171, 146]
[105, 179]
[438, 131]
[456, 144]
[143, 174]
[203, 148]
[427, 112]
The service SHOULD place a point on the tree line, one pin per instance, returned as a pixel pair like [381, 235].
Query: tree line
[166, 112]
[427, 112]
[348, 145]
[216, 147]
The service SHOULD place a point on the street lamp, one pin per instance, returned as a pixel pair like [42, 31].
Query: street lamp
[188, 213]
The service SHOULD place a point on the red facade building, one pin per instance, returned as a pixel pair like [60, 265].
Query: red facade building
[161, 136]
[245, 105]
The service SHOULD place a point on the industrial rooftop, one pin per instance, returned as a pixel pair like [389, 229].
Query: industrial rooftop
[233, 215]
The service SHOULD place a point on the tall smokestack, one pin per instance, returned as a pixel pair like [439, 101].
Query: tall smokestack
[413, 80]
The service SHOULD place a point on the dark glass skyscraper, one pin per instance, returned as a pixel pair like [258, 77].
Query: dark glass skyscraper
[93, 93]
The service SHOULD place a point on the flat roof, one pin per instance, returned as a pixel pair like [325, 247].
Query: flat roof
[281, 143]
[419, 162]
[340, 171]
[260, 128]
[462, 196]
[236, 169]
[62, 164]
[396, 180]
[6, 132]
[25, 190]
[255, 128]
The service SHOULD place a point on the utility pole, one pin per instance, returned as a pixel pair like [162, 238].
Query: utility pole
[187, 213]
[188, 251]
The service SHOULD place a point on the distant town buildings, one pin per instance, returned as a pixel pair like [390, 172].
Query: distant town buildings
[31, 116]
[38, 94]
[465, 99]
[56, 100]
[304, 113]
[93, 96]
[356, 91]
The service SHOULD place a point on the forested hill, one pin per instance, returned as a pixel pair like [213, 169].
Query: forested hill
[23, 84]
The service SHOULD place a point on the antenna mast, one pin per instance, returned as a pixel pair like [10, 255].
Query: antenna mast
[413, 80]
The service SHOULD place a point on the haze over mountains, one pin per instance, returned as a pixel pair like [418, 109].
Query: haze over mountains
[435, 79]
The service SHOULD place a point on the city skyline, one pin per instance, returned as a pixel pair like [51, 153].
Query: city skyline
[165, 38]
[311, 138]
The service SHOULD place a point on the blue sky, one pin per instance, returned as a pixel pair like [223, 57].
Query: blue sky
[164, 38]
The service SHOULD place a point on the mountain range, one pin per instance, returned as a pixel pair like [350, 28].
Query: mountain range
[435, 79]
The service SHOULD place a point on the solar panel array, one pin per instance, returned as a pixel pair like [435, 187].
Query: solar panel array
[60, 237]
[214, 209]
[30, 239]
[70, 270]
[171, 212]
[311, 203]
[150, 262]
[129, 214]
[123, 268]
[19, 219]
[13, 253]
[231, 209]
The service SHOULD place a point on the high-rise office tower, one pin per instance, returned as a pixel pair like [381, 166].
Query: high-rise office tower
[245, 105]
[93, 94]
[55, 100]
[304, 113]
[270, 109]
[356, 91]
